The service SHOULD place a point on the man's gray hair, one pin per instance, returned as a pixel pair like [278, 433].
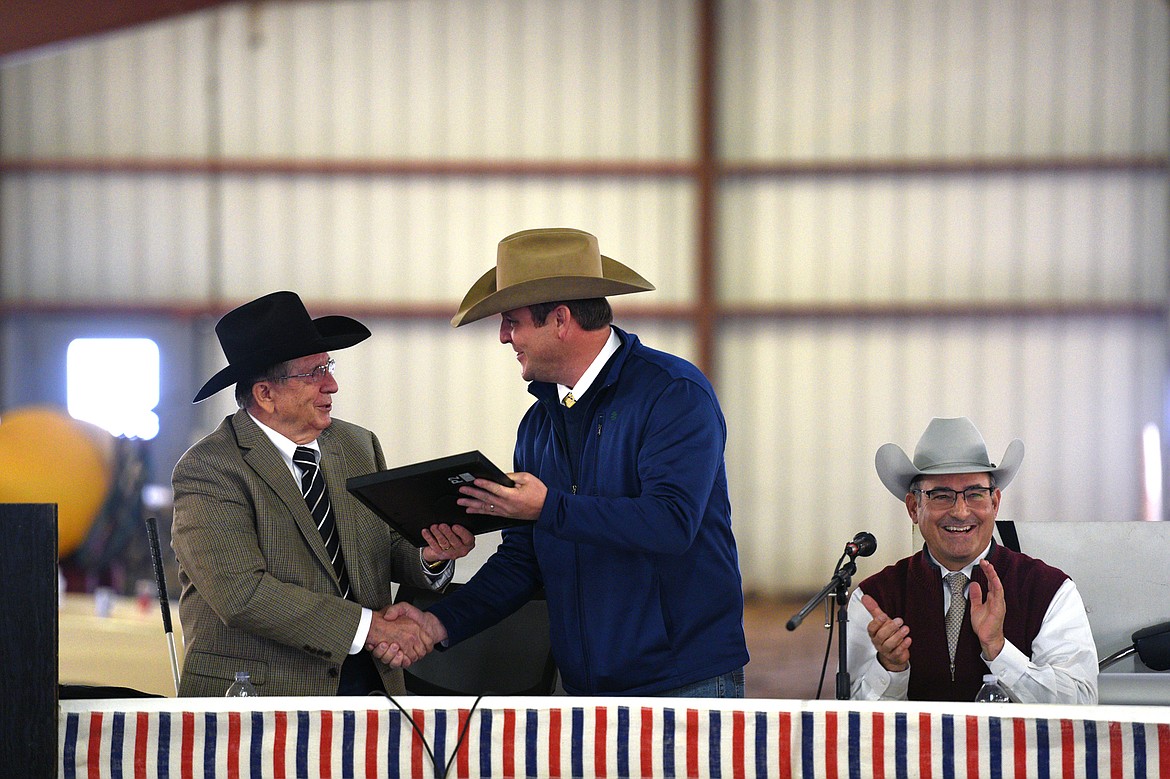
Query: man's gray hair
[244, 397]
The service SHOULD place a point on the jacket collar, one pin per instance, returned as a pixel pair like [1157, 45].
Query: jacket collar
[547, 392]
[266, 461]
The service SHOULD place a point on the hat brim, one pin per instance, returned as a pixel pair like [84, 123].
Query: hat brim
[484, 300]
[897, 472]
[334, 332]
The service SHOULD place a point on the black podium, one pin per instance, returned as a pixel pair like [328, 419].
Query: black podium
[28, 638]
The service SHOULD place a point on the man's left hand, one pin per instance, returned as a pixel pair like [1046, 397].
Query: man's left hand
[446, 542]
[987, 615]
[523, 501]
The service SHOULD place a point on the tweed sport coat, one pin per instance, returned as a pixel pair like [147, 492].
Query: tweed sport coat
[259, 593]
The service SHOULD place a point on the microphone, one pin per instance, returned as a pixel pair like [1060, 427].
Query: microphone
[862, 545]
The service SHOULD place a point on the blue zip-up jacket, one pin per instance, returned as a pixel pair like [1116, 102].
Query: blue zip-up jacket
[635, 551]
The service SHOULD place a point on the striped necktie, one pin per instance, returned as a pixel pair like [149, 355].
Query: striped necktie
[317, 499]
[568, 400]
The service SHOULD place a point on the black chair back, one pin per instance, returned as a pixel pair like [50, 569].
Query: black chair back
[511, 657]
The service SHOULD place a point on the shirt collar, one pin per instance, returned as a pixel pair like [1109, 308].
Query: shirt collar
[968, 569]
[612, 344]
[286, 446]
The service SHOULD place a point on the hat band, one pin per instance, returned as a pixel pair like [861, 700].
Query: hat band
[956, 463]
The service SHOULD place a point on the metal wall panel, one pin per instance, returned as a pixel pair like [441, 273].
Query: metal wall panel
[100, 237]
[945, 83]
[959, 238]
[809, 403]
[427, 240]
[920, 79]
[142, 93]
[87, 237]
[389, 79]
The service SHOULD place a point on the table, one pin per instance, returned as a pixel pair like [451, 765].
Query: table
[569, 736]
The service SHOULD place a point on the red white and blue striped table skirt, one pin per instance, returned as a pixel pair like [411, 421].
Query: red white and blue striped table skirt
[606, 737]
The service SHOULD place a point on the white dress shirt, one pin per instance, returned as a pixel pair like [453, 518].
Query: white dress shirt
[587, 378]
[1062, 669]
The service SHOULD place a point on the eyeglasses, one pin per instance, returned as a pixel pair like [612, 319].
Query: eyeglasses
[945, 497]
[317, 374]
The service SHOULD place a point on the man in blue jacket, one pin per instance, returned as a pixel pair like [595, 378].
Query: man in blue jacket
[620, 471]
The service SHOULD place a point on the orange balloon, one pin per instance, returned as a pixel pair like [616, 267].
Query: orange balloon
[47, 456]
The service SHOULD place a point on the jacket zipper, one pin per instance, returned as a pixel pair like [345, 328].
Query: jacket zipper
[580, 603]
[600, 417]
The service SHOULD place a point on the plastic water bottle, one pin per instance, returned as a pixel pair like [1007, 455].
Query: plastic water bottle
[992, 691]
[242, 687]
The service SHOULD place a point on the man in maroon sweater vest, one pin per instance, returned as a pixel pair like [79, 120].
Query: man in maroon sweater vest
[1013, 616]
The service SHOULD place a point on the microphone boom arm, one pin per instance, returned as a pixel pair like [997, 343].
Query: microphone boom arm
[845, 572]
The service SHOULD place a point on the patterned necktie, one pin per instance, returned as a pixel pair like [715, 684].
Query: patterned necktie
[317, 499]
[957, 582]
[568, 400]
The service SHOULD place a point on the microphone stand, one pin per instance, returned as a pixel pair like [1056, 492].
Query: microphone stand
[839, 587]
[161, 581]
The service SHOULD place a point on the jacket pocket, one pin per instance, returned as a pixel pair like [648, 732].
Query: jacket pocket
[216, 666]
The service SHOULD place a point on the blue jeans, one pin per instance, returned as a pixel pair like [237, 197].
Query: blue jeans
[729, 685]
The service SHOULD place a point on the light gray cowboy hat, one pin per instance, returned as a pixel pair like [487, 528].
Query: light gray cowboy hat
[947, 446]
[543, 265]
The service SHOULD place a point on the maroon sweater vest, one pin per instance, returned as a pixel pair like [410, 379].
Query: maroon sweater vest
[912, 589]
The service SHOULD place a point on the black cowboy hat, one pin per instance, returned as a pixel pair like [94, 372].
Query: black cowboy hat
[272, 330]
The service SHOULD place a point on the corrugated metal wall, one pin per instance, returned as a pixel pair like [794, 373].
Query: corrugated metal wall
[892, 128]
[878, 164]
[913, 78]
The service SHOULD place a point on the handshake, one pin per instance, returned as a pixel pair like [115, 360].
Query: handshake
[400, 634]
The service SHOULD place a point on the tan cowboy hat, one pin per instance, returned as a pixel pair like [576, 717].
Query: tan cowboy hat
[543, 265]
[947, 446]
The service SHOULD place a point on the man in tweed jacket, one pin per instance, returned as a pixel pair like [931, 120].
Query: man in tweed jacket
[259, 590]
